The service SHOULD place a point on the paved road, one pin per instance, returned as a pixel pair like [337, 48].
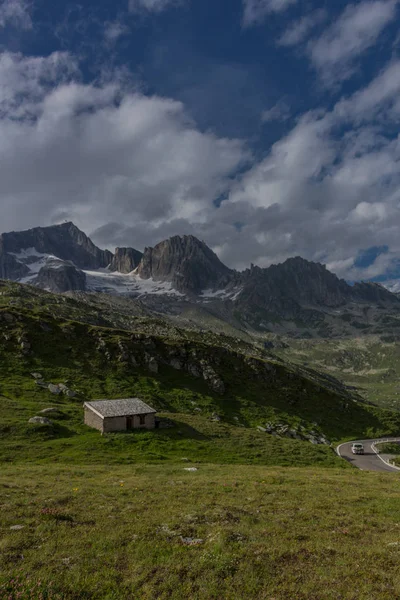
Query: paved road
[369, 461]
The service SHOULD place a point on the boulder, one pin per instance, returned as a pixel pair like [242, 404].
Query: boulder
[153, 365]
[54, 389]
[188, 541]
[175, 364]
[40, 421]
[193, 370]
[215, 417]
[36, 375]
[211, 377]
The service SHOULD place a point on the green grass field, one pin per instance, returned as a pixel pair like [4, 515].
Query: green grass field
[112, 532]
[117, 517]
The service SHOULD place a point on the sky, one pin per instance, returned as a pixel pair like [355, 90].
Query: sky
[267, 128]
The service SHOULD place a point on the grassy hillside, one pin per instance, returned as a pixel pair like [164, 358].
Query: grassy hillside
[91, 517]
[73, 533]
[216, 390]
[369, 363]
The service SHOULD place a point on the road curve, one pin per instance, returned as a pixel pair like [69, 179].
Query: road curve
[369, 461]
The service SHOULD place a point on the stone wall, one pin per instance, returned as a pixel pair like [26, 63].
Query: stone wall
[110, 424]
[114, 424]
[93, 420]
[149, 422]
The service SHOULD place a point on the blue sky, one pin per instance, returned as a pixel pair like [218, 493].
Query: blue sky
[268, 128]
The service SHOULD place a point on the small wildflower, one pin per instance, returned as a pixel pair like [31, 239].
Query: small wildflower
[75, 489]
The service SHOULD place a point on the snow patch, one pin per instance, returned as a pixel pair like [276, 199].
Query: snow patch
[35, 261]
[121, 283]
[392, 285]
[220, 294]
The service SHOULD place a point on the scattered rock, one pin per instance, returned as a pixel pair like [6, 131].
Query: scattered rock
[70, 393]
[54, 389]
[42, 384]
[261, 429]
[176, 364]
[40, 421]
[193, 370]
[188, 541]
[16, 527]
[215, 417]
[211, 377]
[153, 365]
[190, 469]
[46, 411]
[37, 376]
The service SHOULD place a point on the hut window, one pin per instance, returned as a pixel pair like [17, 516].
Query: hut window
[142, 419]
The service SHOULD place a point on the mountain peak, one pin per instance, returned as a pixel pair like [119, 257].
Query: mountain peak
[64, 241]
[186, 261]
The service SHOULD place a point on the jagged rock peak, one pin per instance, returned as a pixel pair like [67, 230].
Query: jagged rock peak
[125, 260]
[187, 262]
[65, 241]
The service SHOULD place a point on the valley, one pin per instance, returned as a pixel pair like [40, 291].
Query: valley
[256, 378]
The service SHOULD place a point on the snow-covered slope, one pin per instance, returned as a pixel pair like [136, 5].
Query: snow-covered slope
[35, 261]
[101, 280]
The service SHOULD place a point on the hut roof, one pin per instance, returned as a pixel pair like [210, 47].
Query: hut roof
[120, 408]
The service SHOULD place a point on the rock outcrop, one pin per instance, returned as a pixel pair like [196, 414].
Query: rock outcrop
[189, 264]
[125, 260]
[62, 278]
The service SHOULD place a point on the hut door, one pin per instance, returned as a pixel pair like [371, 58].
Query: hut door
[129, 422]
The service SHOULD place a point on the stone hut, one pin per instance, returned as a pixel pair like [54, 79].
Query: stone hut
[119, 415]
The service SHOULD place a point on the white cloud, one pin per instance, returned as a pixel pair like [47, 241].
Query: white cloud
[334, 54]
[151, 5]
[255, 11]
[326, 196]
[377, 99]
[114, 30]
[99, 154]
[279, 112]
[15, 13]
[298, 31]
[136, 169]
[24, 81]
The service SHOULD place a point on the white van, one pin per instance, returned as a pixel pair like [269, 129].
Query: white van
[357, 448]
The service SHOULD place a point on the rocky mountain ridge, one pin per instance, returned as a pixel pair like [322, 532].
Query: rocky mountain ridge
[183, 273]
